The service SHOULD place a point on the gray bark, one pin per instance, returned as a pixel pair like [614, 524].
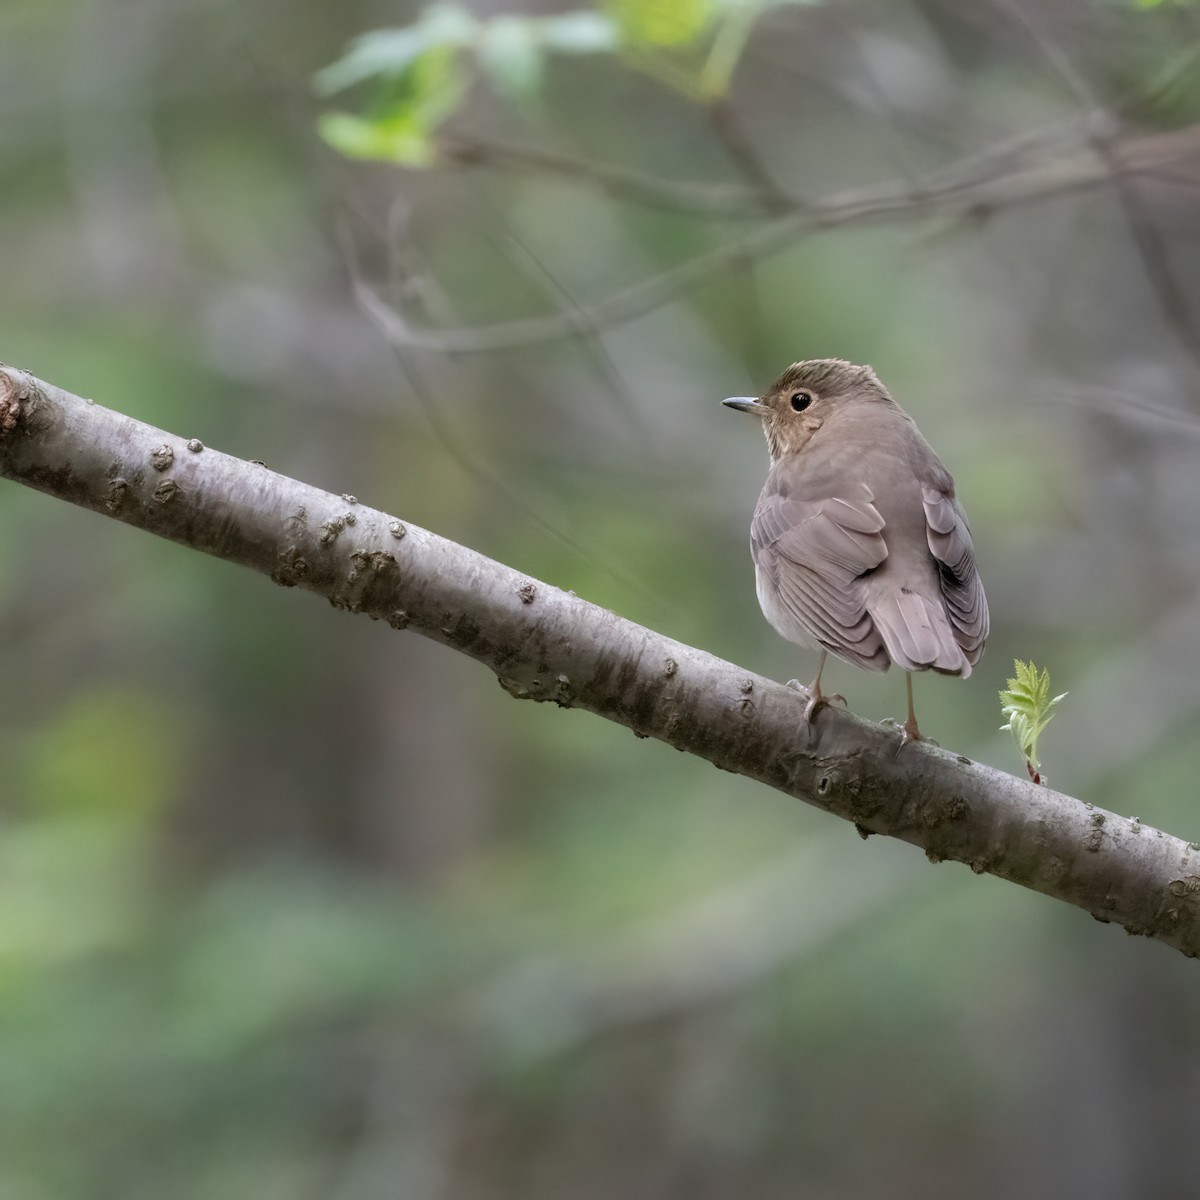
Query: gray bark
[548, 645]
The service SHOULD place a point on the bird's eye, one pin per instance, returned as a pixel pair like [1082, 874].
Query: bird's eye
[800, 401]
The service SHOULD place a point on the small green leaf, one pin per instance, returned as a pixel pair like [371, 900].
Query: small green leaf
[1029, 707]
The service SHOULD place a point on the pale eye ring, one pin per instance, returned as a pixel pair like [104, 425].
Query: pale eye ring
[800, 401]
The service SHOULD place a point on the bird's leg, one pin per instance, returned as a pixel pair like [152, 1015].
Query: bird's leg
[816, 698]
[911, 732]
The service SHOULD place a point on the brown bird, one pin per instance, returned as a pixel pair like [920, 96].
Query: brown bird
[860, 547]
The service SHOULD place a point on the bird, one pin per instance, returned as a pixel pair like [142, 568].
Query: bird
[861, 548]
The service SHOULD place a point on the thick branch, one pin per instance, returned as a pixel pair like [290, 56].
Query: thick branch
[545, 644]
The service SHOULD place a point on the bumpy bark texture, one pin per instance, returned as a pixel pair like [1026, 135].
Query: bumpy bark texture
[545, 644]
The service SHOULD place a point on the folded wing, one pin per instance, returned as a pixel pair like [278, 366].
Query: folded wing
[949, 539]
[811, 556]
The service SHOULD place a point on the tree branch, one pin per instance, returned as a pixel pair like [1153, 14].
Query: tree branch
[545, 644]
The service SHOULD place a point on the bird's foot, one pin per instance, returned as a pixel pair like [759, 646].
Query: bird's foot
[911, 732]
[816, 699]
[908, 731]
[821, 697]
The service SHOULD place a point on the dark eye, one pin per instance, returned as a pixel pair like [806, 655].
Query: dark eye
[800, 401]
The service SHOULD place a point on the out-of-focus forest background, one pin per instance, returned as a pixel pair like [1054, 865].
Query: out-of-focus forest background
[292, 905]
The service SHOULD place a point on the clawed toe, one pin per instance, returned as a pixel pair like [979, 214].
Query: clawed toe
[818, 702]
[816, 699]
[908, 731]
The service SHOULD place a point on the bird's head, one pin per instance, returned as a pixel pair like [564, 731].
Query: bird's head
[803, 398]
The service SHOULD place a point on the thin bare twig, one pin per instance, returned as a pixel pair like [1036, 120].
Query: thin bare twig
[1004, 176]
[1173, 301]
[717, 200]
[469, 463]
[1052, 52]
[703, 199]
[772, 197]
[593, 339]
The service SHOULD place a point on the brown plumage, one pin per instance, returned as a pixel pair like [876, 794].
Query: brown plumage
[860, 546]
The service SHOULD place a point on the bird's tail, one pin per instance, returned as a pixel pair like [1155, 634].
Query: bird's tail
[917, 635]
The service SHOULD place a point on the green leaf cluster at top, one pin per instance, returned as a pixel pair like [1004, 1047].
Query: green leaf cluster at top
[418, 75]
[1029, 707]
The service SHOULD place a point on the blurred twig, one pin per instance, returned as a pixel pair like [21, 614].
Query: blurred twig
[773, 198]
[468, 462]
[1130, 407]
[534, 268]
[704, 199]
[1004, 176]
[1173, 301]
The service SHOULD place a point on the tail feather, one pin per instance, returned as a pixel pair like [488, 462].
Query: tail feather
[917, 634]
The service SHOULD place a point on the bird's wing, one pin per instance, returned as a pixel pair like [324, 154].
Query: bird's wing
[950, 543]
[812, 553]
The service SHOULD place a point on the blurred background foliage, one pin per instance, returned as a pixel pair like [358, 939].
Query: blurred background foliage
[295, 906]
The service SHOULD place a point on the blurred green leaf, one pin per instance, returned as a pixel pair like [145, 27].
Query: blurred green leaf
[660, 23]
[393, 141]
[404, 115]
[1173, 92]
[69, 887]
[112, 752]
[578, 33]
[393, 51]
[419, 76]
[318, 941]
[511, 53]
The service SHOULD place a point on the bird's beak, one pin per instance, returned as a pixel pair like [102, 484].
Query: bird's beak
[744, 404]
